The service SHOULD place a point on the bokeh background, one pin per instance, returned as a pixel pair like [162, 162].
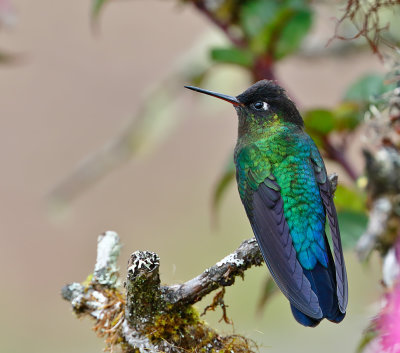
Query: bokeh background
[70, 91]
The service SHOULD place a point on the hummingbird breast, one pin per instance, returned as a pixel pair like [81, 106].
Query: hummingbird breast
[286, 151]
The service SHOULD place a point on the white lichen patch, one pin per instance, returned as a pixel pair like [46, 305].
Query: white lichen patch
[74, 290]
[99, 297]
[108, 247]
[230, 259]
[76, 302]
[144, 260]
[135, 340]
[96, 301]
[106, 269]
[98, 314]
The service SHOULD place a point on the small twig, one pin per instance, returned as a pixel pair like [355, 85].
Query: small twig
[224, 272]
[225, 27]
[367, 21]
[220, 275]
[218, 300]
[338, 156]
[106, 269]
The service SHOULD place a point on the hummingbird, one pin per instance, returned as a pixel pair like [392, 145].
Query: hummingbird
[287, 196]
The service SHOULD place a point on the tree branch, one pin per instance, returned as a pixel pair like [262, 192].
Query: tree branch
[377, 226]
[221, 274]
[202, 7]
[338, 156]
[148, 317]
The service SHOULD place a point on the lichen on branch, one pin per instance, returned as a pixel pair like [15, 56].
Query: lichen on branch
[146, 316]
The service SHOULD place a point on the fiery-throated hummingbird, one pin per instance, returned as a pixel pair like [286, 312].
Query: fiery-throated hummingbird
[287, 196]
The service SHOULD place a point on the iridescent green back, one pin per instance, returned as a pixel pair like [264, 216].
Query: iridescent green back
[282, 151]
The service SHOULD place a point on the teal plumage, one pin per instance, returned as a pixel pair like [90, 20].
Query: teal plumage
[287, 197]
[283, 152]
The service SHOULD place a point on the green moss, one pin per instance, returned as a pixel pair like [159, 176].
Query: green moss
[174, 325]
[144, 300]
[183, 328]
[237, 344]
[88, 280]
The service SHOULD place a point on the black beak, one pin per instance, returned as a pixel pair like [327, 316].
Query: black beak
[230, 99]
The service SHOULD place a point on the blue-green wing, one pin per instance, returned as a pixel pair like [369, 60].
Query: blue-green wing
[262, 200]
[330, 209]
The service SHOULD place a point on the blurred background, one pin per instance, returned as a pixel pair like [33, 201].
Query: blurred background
[67, 88]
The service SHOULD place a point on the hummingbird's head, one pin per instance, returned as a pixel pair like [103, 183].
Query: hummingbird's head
[263, 101]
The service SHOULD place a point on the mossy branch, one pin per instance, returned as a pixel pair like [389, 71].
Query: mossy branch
[382, 170]
[221, 274]
[150, 317]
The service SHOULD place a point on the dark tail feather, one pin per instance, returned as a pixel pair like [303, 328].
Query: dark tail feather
[323, 283]
[303, 318]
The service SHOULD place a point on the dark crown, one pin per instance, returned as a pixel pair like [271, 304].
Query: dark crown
[270, 92]
[262, 90]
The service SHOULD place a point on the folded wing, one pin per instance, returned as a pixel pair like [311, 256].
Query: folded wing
[264, 207]
[327, 198]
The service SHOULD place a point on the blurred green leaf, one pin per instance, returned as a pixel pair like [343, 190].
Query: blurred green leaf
[266, 41]
[97, 5]
[227, 177]
[349, 199]
[320, 121]
[347, 116]
[293, 32]
[352, 226]
[275, 27]
[369, 334]
[255, 15]
[233, 56]
[317, 138]
[366, 88]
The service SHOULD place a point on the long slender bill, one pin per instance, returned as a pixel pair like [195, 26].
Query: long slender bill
[230, 99]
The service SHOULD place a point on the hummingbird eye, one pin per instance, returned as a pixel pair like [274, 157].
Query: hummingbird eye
[260, 105]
